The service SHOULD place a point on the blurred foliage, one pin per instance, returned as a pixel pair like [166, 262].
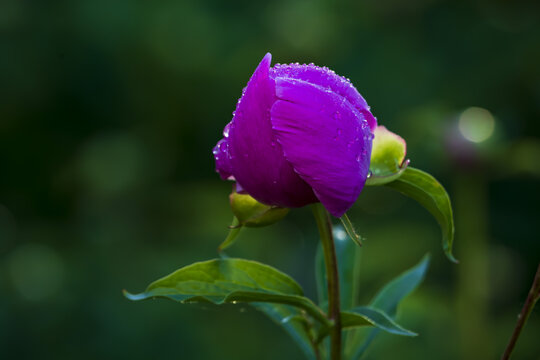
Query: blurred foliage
[108, 114]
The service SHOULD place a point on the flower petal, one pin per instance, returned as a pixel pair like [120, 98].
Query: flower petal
[223, 162]
[325, 138]
[328, 79]
[256, 157]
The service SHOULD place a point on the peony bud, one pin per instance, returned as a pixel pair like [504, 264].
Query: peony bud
[300, 134]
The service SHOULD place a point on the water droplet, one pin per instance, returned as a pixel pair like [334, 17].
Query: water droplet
[370, 174]
[227, 129]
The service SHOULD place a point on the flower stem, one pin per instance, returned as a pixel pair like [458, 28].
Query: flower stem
[327, 240]
[532, 298]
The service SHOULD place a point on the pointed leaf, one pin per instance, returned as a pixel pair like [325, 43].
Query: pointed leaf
[229, 281]
[234, 231]
[387, 300]
[368, 316]
[396, 290]
[359, 315]
[426, 190]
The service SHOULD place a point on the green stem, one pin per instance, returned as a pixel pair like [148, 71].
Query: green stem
[532, 298]
[327, 240]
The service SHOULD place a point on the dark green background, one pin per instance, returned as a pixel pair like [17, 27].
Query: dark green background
[108, 114]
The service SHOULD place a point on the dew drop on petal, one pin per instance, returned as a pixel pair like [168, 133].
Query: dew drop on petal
[227, 129]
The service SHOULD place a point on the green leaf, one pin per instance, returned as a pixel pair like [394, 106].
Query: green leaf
[234, 231]
[230, 281]
[387, 300]
[389, 297]
[387, 157]
[426, 190]
[362, 314]
[368, 316]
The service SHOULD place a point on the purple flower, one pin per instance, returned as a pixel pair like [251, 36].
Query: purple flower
[300, 134]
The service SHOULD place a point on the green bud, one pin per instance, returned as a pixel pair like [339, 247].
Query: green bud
[251, 213]
[387, 157]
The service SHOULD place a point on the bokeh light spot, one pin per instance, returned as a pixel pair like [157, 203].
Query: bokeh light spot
[340, 234]
[476, 124]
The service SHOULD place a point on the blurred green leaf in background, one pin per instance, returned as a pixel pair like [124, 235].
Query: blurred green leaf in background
[108, 114]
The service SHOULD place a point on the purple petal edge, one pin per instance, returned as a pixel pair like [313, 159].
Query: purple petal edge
[256, 158]
[327, 79]
[325, 138]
